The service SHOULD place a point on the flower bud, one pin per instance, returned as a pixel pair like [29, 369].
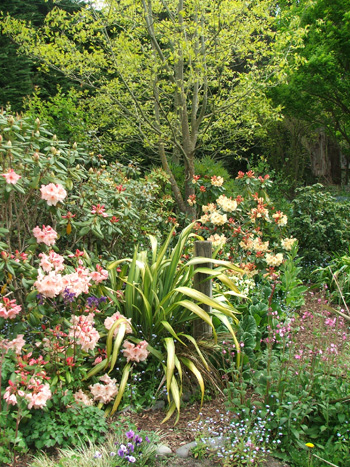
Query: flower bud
[37, 134]
[75, 146]
[9, 144]
[37, 121]
[0, 139]
[35, 157]
[54, 138]
[11, 120]
[53, 150]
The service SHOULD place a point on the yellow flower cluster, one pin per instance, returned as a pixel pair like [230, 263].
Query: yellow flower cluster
[217, 181]
[288, 243]
[227, 204]
[274, 260]
[217, 239]
[280, 218]
[217, 218]
[254, 244]
[208, 208]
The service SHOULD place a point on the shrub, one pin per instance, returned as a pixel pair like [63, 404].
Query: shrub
[320, 223]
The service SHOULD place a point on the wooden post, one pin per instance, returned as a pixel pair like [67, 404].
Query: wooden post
[204, 285]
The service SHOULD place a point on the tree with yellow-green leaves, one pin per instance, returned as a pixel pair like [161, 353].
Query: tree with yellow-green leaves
[173, 74]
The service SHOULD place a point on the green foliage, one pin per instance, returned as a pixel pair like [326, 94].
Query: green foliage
[63, 111]
[290, 287]
[60, 427]
[179, 92]
[320, 223]
[303, 383]
[162, 305]
[105, 455]
[21, 75]
[316, 95]
[336, 277]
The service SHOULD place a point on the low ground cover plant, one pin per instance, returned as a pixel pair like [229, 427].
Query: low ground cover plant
[132, 446]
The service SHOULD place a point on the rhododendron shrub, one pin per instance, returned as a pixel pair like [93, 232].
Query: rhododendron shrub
[244, 226]
[70, 200]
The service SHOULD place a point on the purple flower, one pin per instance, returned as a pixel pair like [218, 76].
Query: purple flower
[122, 450]
[131, 447]
[40, 298]
[130, 434]
[138, 440]
[130, 459]
[97, 455]
[147, 439]
[92, 301]
[68, 297]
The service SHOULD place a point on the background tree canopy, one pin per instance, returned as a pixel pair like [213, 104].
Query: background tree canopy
[20, 74]
[174, 77]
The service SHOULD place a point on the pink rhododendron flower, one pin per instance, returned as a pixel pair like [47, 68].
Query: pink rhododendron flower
[81, 398]
[9, 309]
[51, 261]
[135, 353]
[40, 395]
[11, 177]
[99, 275]
[53, 193]
[16, 344]
[9, 397]
[118, 317]
[77, 282]
[83, 332]
[99, 210]
[49, 285]
[45, 235]
[104, 392]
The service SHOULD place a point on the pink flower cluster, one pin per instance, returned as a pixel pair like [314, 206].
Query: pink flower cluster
[9, 308]
[53, 193]
[81, 398]
[99, 210]
[40, 395]
[11, 177]
[104, 392]
[51, 261]
[99, 275]
[52, 284]
[49, 285]
[117, 317]
[10, 393]
[135, 353]
[16, 344]
[45, 235]
[37, 397]
[83, 332]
